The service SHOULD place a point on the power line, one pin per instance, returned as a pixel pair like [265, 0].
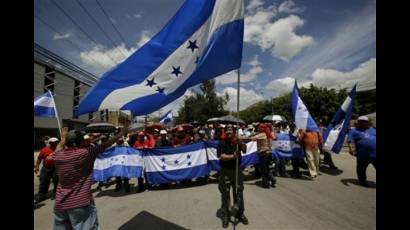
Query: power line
[68, 40]
[108, 18]
[98, 25]
[82, 30]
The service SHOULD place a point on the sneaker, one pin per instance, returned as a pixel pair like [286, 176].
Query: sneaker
[273, 182]
[243, 219]
[265, 185]
[225, 222]
[333, 167]
[117, 188]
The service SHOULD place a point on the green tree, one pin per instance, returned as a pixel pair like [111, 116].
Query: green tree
[322, 103]
[203, 105]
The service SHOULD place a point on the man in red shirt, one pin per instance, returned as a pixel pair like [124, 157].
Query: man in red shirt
[48, 171]
[181, 138]
[74, 205]
[143, 142]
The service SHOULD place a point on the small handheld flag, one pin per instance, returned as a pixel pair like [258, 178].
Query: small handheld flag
[335, 133]
[301, 115]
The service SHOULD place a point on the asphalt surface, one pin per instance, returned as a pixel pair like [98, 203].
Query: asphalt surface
[333, 201]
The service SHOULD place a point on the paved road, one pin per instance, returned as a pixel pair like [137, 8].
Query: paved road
[332, 201]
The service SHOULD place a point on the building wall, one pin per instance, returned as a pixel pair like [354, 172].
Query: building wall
[64, 97]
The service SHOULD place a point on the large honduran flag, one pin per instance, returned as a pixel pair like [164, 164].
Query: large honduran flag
[176, 164]
[118, 161]
[203, 40]
[335, 133]
[251, 156]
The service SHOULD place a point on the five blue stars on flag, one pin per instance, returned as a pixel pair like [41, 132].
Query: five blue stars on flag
[176, 70]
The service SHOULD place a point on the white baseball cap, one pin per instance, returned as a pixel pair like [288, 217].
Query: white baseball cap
[363, 118]
[163, 131]
[53, 139]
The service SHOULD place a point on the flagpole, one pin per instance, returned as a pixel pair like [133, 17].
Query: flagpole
[237, 146]
[55, 109]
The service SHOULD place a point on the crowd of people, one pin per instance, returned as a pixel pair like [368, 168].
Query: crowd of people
[68, 162]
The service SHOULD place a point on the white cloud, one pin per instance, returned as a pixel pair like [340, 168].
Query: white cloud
[58, 36]
[254, 4]
[364, 74]
[247, 98]
[144, 37]
[108, 58]
[138, 15]
[289, 7]
[278, 36]
[344, 47]
[281, 86]
[250, 75]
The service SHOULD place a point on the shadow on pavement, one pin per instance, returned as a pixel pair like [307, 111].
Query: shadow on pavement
[49, 195]
[329, 171]
[146, 220]
[38, 205]
[348, 181]
[112, 193]
[180, 185]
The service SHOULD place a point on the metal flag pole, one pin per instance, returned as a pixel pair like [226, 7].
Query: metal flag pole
[237, 151]
[55, 109]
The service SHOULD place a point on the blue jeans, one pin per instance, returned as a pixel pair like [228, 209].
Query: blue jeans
[77, 218]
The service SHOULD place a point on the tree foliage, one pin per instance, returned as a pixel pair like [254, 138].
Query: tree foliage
[322, 104]
[203, 105]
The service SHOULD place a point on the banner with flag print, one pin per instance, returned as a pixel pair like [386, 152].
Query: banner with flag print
[44, 105]
[203, 40]
[301, 115]
[166, 118]
[119, 161]
[166, 165]
[285, 146]
[251, 156]
[335, 133]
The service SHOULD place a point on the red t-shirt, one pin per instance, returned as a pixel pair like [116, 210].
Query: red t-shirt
[46, 154]
[142, 145]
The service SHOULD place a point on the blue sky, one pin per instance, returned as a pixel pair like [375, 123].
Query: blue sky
[329, 43]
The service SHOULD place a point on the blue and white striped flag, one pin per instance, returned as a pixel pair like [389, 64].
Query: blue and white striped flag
[119, 161]
[166, 118]
[44, 105]
[176, 164]
[301, 115]
[334, 136]
[251, 156]
[203, 40]
[285, 146]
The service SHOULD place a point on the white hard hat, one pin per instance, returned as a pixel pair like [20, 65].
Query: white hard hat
[363, 118]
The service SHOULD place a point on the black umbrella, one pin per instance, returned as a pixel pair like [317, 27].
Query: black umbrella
[230, 119]
[100, 127]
